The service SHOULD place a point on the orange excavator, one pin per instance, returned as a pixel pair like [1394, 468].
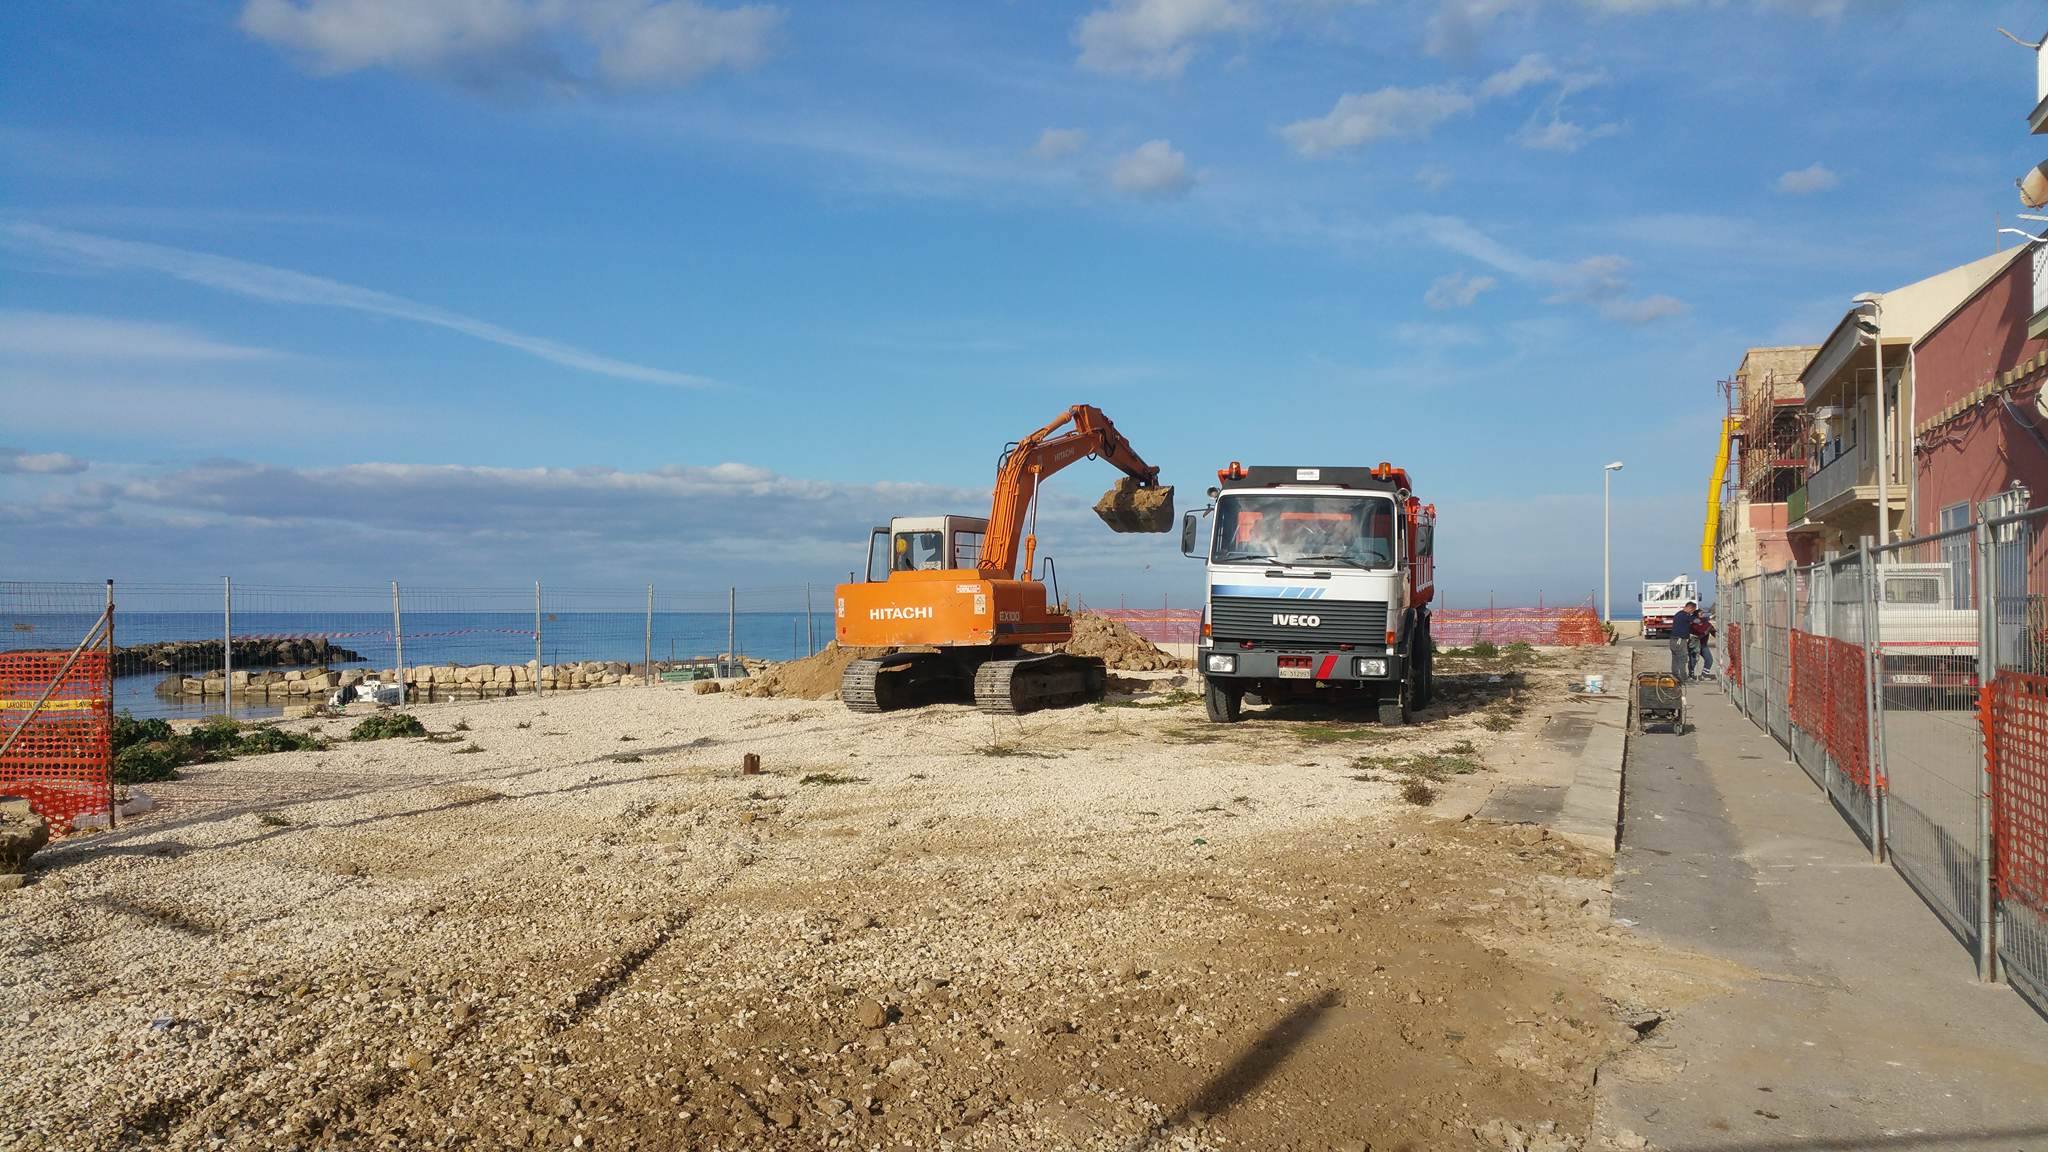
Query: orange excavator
[943, 593]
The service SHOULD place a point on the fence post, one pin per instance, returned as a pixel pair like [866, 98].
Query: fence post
[732, 608]
[647, 669]
[1873, 694]
[536, 637]
[110, 692]
[810, 623]
[398, 645]
[1987, 677]
[227, 645]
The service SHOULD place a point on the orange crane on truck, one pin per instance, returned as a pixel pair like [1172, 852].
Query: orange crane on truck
[943, 593]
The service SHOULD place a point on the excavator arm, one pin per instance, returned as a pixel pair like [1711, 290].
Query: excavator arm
[1136, 505]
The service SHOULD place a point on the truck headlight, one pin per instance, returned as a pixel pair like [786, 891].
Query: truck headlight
[1221, 662]
[1371, 666]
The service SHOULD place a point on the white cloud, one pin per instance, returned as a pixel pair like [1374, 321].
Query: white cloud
[14, 462]
[1643, 310]
[1457, 290]
[1529, 70]
[1054, 143]
[494, 43]
[1152, 169]
[1456, 26]
[1361, 118]
[1433, 177]
[1153, 37]
[1556, 134]
[1601, 281]
[283, 286]
[1815, 177]
[67, 336]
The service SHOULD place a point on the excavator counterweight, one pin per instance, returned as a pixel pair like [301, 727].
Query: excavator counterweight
[954, 597]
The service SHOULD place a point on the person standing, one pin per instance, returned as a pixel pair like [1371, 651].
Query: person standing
[1682, 641]
[1703, 641]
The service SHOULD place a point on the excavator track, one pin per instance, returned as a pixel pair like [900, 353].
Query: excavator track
[904, 680]
[1030, 683]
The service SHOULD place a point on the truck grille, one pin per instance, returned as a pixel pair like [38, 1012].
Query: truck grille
[1235, 619]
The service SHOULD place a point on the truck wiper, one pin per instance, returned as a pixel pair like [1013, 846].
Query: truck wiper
[1228, 557]
[1326, 558]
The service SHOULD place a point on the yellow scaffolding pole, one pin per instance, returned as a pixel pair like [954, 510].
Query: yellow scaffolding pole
[1729, 426]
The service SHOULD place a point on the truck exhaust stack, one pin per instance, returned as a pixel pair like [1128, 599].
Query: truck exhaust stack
[1129, 508]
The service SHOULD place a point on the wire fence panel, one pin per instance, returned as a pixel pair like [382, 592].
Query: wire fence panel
[56, 706]
[1845, 698]
[1807, 693]
[2015, 716]
[1757, 683]
[1777, 619]
[1926, 592]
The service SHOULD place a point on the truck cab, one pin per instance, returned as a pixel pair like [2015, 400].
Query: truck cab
[1318, 587]
[1661, 600]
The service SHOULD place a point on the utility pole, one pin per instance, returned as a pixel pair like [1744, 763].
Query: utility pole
[1606, 546]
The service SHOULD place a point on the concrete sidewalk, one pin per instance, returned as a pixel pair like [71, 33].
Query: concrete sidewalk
[1864, 1026]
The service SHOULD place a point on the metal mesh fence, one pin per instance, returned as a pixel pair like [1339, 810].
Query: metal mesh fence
[1926, 594]
[1777, 643]
[2015, 716]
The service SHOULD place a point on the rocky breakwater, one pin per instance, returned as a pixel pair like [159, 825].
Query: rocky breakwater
[184, 656]
[432, 681]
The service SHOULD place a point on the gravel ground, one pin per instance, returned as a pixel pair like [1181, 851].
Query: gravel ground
[578, 925]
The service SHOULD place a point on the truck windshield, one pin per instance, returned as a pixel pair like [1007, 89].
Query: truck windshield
[1344, 530]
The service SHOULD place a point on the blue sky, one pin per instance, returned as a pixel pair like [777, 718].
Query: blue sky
[341, 291]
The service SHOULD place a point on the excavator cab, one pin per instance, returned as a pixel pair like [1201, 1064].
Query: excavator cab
[925, 544]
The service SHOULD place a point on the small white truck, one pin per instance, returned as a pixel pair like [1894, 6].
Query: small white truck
[1661, 599]
[1927, 635]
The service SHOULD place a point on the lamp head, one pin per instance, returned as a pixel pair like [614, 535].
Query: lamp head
[1614, 467]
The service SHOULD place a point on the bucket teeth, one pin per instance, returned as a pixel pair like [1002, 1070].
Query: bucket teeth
[1126, 507]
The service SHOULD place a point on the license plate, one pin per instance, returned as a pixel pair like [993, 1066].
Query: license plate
[1912, 678]
[1296, 673]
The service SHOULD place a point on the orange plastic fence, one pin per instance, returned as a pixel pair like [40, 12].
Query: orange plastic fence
[1575, 625]
[2017, 712]
[1735, 654]
[61, 760]
[1848, 711]
[1808, 700]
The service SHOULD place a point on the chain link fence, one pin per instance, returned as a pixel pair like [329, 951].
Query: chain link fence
[1910, 682]
[253, 651]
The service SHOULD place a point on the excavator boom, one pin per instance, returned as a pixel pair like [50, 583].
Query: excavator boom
[1136, 504]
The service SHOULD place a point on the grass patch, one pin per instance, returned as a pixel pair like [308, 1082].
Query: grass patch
[1012, 748]
[443, 738]
[1334, 733]
[274, 819]
[388, 726]
[1173, 699]
[1418, 792]
[1434, 767]
[468, 749]
[627, 758]
[146, 751]
[826, 779]
[1196, 734]
[462, 725]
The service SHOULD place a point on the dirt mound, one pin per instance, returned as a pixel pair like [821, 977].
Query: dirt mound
[811, 678]
[1119, 647]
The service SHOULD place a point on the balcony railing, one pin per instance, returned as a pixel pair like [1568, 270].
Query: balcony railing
[1795, 506]
[2037, 323]
[1854, 468]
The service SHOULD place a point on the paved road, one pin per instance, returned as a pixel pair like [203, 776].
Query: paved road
[1864, 1027]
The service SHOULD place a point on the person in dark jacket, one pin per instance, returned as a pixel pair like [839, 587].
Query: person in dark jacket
[1681, 641]
[1703, 641]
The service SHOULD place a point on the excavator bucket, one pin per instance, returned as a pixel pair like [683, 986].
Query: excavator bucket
[1129, 508]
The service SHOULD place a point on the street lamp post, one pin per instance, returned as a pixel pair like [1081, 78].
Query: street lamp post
[1606, 548]
[1872, 326]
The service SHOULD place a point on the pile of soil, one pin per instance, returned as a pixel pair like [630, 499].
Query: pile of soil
[811, 678]
[1129, 508]
[1119, 647]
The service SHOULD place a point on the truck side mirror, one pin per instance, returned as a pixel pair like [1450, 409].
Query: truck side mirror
[1187, 534]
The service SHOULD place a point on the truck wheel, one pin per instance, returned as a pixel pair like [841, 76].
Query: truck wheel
[1425, 657]
[1225, 704]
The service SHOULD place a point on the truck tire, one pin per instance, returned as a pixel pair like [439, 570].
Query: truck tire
[1225, 704]
[1425, 669]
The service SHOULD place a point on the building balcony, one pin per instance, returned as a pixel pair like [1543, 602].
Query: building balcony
[1849, 483]
[1795, 505]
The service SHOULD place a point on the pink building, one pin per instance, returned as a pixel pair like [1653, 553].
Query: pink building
[1975, 422]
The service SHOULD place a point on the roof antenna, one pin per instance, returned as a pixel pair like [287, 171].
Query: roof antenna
[2033, 46]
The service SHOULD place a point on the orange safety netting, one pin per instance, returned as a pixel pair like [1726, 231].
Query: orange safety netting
[2014, 712]
[1576, 625]
[1808, 701]
[1735, 654]
[1159, 625]
[1847, 732]
[61, 759]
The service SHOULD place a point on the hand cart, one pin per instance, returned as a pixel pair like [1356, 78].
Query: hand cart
[1660, 697]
